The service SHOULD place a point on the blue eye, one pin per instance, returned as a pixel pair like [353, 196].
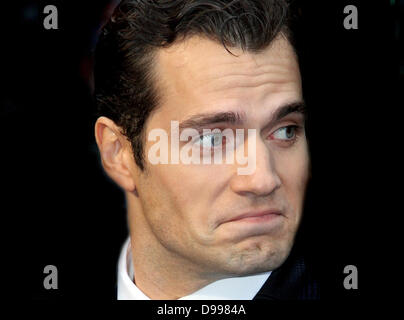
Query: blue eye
[285, 133]
[211, 140]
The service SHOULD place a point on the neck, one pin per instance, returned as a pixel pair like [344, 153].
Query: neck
[161, 278]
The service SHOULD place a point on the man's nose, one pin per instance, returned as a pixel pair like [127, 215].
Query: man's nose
[264, 180]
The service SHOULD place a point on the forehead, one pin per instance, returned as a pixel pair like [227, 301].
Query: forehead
[200, 75]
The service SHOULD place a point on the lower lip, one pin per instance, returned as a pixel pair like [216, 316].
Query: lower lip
[258, 219]
[253, 226]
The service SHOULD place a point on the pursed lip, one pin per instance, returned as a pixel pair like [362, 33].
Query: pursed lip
[255, 214]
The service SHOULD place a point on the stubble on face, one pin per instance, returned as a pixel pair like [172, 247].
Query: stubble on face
[175, 221]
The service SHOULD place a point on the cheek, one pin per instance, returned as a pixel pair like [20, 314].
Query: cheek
[186, 193]
[163, 195]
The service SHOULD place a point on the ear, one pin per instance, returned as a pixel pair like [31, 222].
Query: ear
[116, 153]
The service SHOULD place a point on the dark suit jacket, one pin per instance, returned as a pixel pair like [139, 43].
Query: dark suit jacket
[295, 279]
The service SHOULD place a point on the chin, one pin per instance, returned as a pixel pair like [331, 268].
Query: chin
[261, 259]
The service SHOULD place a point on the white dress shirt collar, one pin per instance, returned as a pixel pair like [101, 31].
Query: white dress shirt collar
[237, 288]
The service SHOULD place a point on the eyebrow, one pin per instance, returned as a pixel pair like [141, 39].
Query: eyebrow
[202, 120]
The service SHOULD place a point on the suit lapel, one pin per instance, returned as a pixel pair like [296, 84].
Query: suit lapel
[291, 281]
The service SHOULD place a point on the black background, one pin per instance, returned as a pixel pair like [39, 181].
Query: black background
[65, 211]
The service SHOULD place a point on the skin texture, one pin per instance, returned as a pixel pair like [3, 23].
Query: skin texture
[177, 213]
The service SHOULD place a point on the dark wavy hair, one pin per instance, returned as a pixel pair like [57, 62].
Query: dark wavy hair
[126, 90]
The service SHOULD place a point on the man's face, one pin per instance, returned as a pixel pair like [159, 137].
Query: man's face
[192, 211]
